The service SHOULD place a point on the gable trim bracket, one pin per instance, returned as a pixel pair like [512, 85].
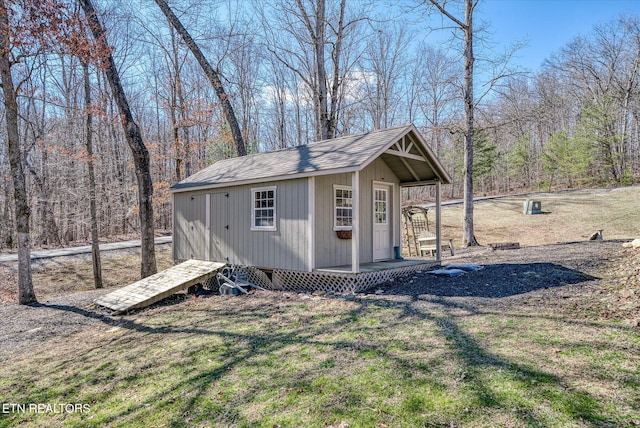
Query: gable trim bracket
[403, 150]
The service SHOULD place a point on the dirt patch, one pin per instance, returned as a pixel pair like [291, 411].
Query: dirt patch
[588, 280]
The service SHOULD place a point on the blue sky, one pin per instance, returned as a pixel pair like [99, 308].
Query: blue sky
[547, 24]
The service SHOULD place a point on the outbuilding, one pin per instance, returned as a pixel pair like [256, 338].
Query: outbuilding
[333, 204]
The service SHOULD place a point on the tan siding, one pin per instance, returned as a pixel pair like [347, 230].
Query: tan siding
[285, 248]
[189, 226]
[380, 172]
[330, 250]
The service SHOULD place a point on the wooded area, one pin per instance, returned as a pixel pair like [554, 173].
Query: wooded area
[295, 71]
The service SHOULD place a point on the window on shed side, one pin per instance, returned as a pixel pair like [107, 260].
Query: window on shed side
[263, 215]
[343, 207]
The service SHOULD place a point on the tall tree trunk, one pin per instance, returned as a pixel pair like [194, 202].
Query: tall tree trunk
[186, 144]
[318, 37]
[95, 242]
[468, 234]
[173, 107]
[211, 74]
[26, 293]
[136, 144]
[332, 125]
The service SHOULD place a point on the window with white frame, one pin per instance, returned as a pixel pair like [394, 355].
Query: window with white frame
[380, 201]
[343, 207]
[263, 214]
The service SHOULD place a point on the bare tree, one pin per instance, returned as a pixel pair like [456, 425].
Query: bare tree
[466, 26]
[211, 74]
[317, 52]
[383, 62]
[437, 92]
[136, 144]
[26, 293]
[600, 70]
[245, 58]
[95, 237]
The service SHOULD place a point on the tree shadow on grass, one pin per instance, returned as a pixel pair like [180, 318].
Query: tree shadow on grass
[478, 366]
[348, 337]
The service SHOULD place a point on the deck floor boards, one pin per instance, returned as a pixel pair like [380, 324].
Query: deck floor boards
[381, 265]
[156, 287]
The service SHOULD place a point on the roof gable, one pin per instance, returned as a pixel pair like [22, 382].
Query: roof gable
[343, 154]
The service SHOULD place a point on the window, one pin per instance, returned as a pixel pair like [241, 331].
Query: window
[263, 214]
[380, 206]
[343, 207]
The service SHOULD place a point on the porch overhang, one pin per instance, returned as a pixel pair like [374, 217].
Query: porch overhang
[413, 162]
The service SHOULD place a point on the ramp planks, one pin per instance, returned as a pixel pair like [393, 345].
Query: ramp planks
[156, 287]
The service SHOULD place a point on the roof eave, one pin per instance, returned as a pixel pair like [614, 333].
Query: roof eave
[207, 186]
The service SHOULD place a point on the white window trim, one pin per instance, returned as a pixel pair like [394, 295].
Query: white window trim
[387, 194]
[253, 209]
[335, 209]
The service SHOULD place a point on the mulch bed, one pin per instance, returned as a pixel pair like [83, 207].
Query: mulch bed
[585, 278]
[509, 273]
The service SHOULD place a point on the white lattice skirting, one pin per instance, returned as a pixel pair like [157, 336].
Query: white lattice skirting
[336, 282]
[333, 282]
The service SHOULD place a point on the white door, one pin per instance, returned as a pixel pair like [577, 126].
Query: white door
[381, 223]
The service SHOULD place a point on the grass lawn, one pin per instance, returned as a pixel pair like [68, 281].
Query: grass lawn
[370, 362]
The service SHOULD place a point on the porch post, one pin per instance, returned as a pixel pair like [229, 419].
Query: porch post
[355, 221]
[311, 226]
[438, 224]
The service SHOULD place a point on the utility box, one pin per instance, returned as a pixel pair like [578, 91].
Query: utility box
[532, 207]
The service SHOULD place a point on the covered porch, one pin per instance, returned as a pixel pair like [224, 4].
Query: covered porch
[415, 165]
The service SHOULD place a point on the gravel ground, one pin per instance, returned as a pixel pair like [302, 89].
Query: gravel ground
[548, 276]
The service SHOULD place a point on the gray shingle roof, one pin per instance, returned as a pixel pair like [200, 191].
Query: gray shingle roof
[351, 152]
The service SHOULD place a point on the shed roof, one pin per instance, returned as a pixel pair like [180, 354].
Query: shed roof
[402, 148]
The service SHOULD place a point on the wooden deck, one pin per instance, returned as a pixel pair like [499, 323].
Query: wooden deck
[381, 265]
[156, 287]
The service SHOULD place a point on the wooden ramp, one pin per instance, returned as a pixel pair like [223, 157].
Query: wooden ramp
[156, 287]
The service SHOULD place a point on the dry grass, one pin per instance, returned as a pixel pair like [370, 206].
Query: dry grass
[63, 275]
[568, 217]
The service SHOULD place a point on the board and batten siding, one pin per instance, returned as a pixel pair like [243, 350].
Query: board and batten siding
[329, 249]
[283, 248]
[189, 226]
